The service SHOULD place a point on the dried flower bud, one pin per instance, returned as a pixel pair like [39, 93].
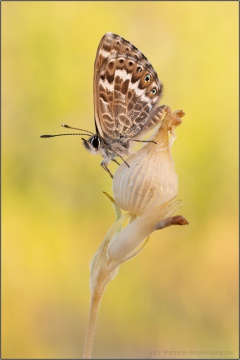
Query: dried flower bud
[150, 180]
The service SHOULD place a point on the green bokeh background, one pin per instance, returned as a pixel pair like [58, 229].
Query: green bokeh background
[181, 292]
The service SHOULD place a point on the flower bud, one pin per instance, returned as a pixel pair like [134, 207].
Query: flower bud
[150, 180]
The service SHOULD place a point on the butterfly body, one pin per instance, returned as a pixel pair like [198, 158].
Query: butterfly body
[126, 95]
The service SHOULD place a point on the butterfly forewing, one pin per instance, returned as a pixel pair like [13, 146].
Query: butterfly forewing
[126, 89]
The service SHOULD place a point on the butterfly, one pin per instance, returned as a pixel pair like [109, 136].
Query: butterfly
[126, 95]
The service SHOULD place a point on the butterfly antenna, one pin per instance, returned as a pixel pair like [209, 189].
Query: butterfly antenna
[73, 128]
[49, 136]
[87, 133]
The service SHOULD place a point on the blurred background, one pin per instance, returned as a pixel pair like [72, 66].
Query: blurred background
[179, 297]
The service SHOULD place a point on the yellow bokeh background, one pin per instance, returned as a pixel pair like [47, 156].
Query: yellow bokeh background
[179, 297]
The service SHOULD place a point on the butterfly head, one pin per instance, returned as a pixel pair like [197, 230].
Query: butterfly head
[92, 144]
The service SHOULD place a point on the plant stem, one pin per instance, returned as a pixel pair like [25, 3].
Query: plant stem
[95, 302]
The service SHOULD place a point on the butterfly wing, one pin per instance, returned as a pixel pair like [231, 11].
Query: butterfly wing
[126, 89]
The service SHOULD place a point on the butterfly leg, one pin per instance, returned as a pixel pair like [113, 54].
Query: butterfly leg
[106, 168]
[145, 141]
[116, 161]
[120, 158]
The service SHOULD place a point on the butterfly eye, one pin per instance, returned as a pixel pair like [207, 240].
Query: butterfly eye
[153, 91]
[139, 69]
[95, 142]
[147, 77]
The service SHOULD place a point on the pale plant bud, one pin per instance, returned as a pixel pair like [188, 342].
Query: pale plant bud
[150, 179]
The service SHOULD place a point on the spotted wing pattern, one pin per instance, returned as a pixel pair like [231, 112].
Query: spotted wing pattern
[126, 90]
